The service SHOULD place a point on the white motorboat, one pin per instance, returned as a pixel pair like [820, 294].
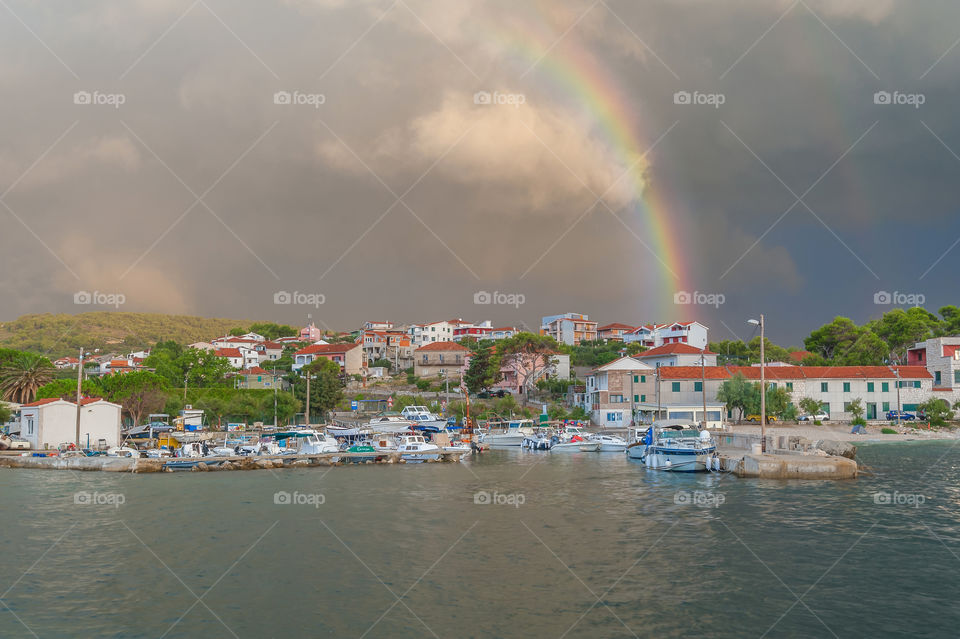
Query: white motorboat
[416, 448]
[610, 443]
[509, 433]
[384, 442]
[676, 445]
[576, 444]
[157, 453]
[390, 424]
[423, 419]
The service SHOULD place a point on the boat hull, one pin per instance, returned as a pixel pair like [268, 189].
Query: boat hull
[678, 460]
[504, 440]
[576, 447]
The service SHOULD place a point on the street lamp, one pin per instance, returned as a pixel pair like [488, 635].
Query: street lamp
[763, 386]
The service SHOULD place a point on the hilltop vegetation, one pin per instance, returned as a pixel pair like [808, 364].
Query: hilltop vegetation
[57, 335]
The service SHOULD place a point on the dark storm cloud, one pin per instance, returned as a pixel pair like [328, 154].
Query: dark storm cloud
[399, 196]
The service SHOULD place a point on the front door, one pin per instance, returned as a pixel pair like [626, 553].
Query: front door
[871, 411]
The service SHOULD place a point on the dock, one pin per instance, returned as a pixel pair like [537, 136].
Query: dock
[786, 457]
[171, 464]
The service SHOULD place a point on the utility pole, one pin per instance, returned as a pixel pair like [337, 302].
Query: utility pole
[79, 388]
[275, 396]
[307, 414]
[703, 386]
[763, 391]
[896, 372]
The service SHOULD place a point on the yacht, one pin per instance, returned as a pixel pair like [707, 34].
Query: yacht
[511, 433]
[576, 444]
[416, 448]
[390, 424]
[675, 445]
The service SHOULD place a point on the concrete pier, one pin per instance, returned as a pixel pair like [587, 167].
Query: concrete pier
[155, 465]
[787, 466]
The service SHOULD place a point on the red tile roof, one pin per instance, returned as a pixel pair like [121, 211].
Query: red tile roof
[798, 356]
[442, 346]
[253, 370]
[774, 373]
[324, 349]
[614, 326]
[43, 402]
[228, 352]
[674, 348]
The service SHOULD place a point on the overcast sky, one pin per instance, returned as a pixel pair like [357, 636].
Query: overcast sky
[149, 150]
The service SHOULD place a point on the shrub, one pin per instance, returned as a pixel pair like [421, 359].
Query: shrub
[422, 384]
[888, 431]
[817, 422]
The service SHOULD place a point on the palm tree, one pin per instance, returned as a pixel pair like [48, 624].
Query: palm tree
[22, 377]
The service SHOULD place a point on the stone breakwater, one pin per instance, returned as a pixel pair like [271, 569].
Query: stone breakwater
[203, 464]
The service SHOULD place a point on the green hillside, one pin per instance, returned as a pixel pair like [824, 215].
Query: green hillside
[57, 335]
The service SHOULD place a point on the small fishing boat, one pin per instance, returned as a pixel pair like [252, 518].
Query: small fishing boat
[123, 451]
[416, 448]
[537, 441]
[362, 447]
[423, 419]
[676, 445]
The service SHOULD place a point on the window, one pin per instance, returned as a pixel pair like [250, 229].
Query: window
[636, 398]
[643, 378]
[910, 407]
[614, 417]
[643, 399]
[259, 378]
[616, 399]
[846, 407]
[698, 387]
[424, 358]
[30, 425]
[825, 407]
[675, 387]
[885, 387]
[916, 384]
[789, 386]
[636, 378]
[936, 378]
[824, 387]
[441, 358]
[956, 377]
[846, 387]
[869, 387]
[886, 406]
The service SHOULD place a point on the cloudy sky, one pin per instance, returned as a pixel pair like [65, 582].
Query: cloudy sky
[393, 159]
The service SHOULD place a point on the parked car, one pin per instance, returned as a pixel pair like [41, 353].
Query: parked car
[18, 443]
[904, 416]
[487, 394]
[771, 419]
[819, 417]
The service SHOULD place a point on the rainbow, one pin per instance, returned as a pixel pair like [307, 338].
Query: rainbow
[573, 70]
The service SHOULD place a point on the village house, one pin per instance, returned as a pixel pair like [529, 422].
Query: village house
[653, 335]
[48, 423]
[66, 362]
[880, 388]
[941, 357]
[440, 360]
[614, 390]
[569, 328]
[259, 378]
[676, 354]
[421, 334]
[348, 356]
[613, 332]
[268, 351]
[202, 346]
[239, 357]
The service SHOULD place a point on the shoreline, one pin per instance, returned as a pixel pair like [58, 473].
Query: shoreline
[841, 432]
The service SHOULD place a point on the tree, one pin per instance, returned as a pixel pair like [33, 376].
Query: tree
[483, 372]
[856, 409]
[809, 405]
[23, 375]
[529, 356]
[867, 350]
[834, 338]
[901, 329]
[771, 351]
[272, 331]
[67, 389]
[735, 393]
[937, 410]
[203, 368]
[236, 331]
[139, 392]
[326, 386]
[731, 352]
[5, 413]
[635, 348]
[385, 363]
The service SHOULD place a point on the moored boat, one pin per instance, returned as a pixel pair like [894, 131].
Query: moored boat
[678, 446]
[416, 448]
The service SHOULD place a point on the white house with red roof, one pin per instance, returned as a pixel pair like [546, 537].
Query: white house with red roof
[239, 357]
[653, 335]
[421, 334]
[47, 423]
[676, 354]
[348, 356]
[613, 332]
[66, 362]
[941, 357]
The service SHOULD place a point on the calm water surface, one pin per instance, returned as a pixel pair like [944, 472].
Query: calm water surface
[575, 545]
